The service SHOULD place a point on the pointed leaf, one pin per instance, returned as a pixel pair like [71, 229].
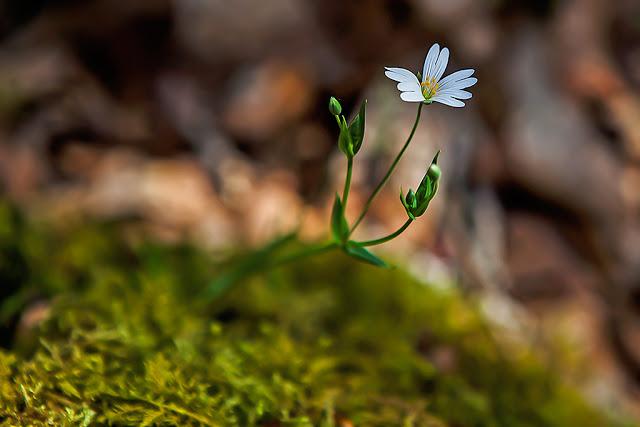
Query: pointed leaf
[424, 189]
[422, 208]
[345, 142]
[356, 128]
[435, 158]
[339, 225]
[247, 266]
[360, 253]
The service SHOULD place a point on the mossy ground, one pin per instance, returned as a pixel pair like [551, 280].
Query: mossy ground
[130, 340]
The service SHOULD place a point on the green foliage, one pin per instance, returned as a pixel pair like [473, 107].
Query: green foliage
[357, 251]
[356, 128]
[339, 225]
[246, 266]
[416, 204]
[352, 134]
[345, 144]
[128, 342]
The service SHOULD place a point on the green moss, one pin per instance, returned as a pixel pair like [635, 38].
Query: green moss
[326, 342]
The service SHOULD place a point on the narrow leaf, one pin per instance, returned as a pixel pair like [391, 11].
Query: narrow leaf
[246, 267]
[345, 142]
[435, 158]
[356, 128]
[339, 225]
[364, 255]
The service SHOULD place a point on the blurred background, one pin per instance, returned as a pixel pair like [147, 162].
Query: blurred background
[207, 120]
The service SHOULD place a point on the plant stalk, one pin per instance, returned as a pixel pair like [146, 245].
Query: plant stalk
[387, 238]
[347, 183]
[314, 250]
[384, 180]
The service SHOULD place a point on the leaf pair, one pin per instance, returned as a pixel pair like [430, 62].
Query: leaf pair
[340, 232]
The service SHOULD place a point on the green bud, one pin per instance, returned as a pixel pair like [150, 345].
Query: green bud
[334, 106]
[415, 204]
[434, 172]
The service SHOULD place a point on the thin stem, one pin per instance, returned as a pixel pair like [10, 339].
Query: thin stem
[347, 183]
[387, 238]
[384, 180]
[314, 250]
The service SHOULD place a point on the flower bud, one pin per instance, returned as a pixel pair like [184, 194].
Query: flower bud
[334, 106]
[415, 204]
[434, 172]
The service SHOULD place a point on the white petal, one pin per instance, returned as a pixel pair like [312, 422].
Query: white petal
[441, 64]
[409, 86]
[458, 75]
[398, 70]
[455, 93]
[460, 84]
[396, 77]
[447, 100]
[430, 60]
[399, 74]
[412, 96]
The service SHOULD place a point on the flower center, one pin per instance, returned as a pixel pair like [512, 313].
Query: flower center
[429, 87]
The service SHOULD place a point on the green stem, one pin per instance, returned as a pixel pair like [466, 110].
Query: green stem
[384, 180]
[387, 238]
[314, 250]
[347, 183]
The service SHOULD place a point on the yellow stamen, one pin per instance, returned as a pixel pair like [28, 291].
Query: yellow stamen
[429, 87]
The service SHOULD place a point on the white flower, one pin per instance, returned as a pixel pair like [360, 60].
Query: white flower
[448, 90]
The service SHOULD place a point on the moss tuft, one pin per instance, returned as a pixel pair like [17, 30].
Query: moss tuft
[327, 342]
